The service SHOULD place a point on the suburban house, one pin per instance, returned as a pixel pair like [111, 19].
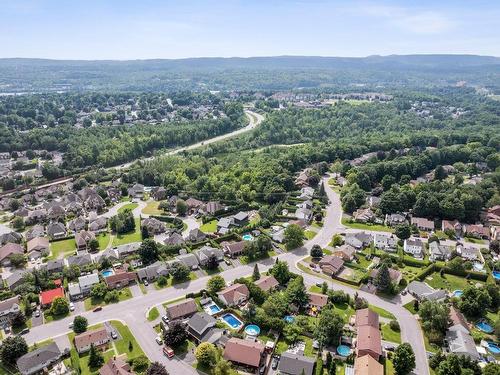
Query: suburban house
[189, 260]
[7, 250]
[8, 308]
[213, 207]
[153, 226]
[175, 239]
[77, 224]
[296, 364]
[56, 230]
[120, 280]
[415, 247]
[224, 224]
[80, 260]
[317, 300]
[35, 231]
[181, 309]
[48, 296]
[477, 231]
[367, 365]
[439, 252]
[453, 226]
[13, 237]
[120, 252]
[116, 366]
[83, 239]
[358, 240]
[460, 342]
[469, 252]
[395, 275]
[194, 205]
[56, 265]
[241, 219]
[385, 242]
[363, 215]
[39, 359]
[267, 283]
[201, 327]
[15, 279]
[206, 252]
[423, 223]
[244, 352]
[306, 193]
[422, 291]
[153, 271]
[233, 249]
[96, 337]
[99, 225]
[369, 342]
[196, 235]
[303, 214]
[366, 317]
[38, 247]
[136, 191]
[346, 252]
[87, 282]
[394, 219]
[331, 265]
[234, 295]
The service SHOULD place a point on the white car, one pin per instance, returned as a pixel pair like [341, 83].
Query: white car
[159, 341]
[71, 306]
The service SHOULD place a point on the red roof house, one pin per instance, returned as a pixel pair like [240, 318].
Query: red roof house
[48, 296]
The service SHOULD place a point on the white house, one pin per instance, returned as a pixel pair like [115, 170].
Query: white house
[415, 247]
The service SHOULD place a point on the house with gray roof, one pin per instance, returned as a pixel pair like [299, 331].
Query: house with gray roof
[86, 282]
[174, 239]
[201, 327]
[224, 224]
[39, 359]
[56, 265]
[439, 252]
[204, 253]
[196, 235]
[56, 230]
[99, 225]
[423, 292]
[152, 271]
[34, 232]
[80, 260]
[358, 240]
[8, 308]
[189, 260]
[460, 342]
[296, 364]
[15, 279]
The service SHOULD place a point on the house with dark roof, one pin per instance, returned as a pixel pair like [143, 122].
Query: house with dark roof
[116, 366]
[189, 260]
[295, 364]
[241, 219]
[56, 265]
[196, 235]
[439, 252]
[201, 327]
[233, 249]
[423, 223]
[120, 280]
[56, 230]
[8, 308]
[39, 359]
[8, 250]
[15, 279]
[206, 252]
[99, 225]
[83, 239]
[80, 260]
[35, 231]
[174, 239]
[331, 265]
[153, 271]
[358, 240]
[182, 309]
[422, 291]
[97, 337]
[153, 226]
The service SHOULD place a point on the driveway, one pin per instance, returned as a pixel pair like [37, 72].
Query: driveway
[136, 291]
[35, 322]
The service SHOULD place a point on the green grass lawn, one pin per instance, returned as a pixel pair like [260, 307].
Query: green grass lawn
[389, 334]
[209, 227]
[171, 281]
[153, 314]
[152, 209]
[409, 272]
[282, 346]
[315, 289]
[103, 239]
[474, 240]
[63, 247]
[410, 306]
[449, 282]
[376, 227]
[344, 310]
[122, 345]
[310, 234]
[47, 317]
[129, 206]
[383, 313]
[90, 303]
[135, 236]
[165, 304]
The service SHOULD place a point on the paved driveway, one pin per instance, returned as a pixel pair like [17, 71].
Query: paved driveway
[135, 290]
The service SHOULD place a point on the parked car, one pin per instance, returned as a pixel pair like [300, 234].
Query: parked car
[168, 352]
[37, 313]
[97, 309]
[146, 283]
[159, 341]
[274, 363]
[114, 336]
[71, 306]
[165, 319]
[70, 325]
[24, 331]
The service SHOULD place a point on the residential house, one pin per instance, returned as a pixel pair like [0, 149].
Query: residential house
[304, 214]
[306, 193]
[346, 252]
[358, 240]
[201, 327]
[194, 205]
[453, 226]
[385, 242]
[423, 292]
[136, 191]
[153, 226]
[120, 280]
[94, 202]
[469, 253]
[367, 365]
[267, 283]
[331, 265]
[77, 224]
[39, 359]
[477, 231]
[213, 207]
[153, 271]
[241, 219]
[244, 352]
[460, 342]
[56, 265]
[116, 366]
[369, 341]
[56, 212]
[196, 235]
[37, 216]
[75, 208]
[295, 364]
[206, 252]
[74, 291]
[80, 260]
[159, 193]
[83, 239]
[8, 308]
[120, 252]
[234, 249]
[415, 247]
[234, 295]
[86, 282]
[373, 201]
[99, 225]
[393, 220]
[38, 247]
[48, 296]
[15, 279]
[317, 300]
[439, 252]
[8, 250]
[366, 317]
[175, 239]
[363, 215]
[36, 231]
[182, 309]
[56, 230]
[395, 275]
[189, 260]
[224, 225]
[423, 223]
[97, 337]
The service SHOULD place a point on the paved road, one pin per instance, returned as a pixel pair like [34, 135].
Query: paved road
[133, 311]
[254, 120]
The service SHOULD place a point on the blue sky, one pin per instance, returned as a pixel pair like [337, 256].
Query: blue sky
[141, 29]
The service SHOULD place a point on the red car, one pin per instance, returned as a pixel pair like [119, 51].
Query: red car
[167, 350]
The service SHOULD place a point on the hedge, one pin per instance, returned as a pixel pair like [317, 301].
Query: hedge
[437, 268]
[176, 222]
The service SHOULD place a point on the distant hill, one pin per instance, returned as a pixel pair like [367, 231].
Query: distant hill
[288, 72]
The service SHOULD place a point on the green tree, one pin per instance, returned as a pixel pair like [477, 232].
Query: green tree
[281, 272]
[175, 335]
[98, 291]
[474, 302]
[17, 260]
[329, 327]
[93, 245]
[296, 292]
[434, 317]
[181, 207]
[276, 305]
[491, 369]
[222, 367]
[179, 271]
[403, 359]
[206, 354]
[148, 251]
[402, 231]
[60, 306]
[256, 273]
[12, 348]
[18, 319]
[292, 332]
[383, 280]
[96, 359]
[156, 368]
[316, 251]
[215, 284]
[294, 236]
[80, 324]
[18, 223]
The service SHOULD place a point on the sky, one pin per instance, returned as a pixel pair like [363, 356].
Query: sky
[145, 29]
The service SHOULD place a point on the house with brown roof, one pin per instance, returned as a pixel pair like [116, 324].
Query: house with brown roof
[331, 265]
[367, 365]
[96, 337]
[83, 239]
[317, 300]
[423, 223]
[244, 352]
[369, 342]
[367, 317]
[116, 366]
[477, 230]
[38, 247]
[234, 249]
[7, 250]
[120, 280]
[454, 226]
[235, 294]
[346, 252]
[181, 309]
[267, 283]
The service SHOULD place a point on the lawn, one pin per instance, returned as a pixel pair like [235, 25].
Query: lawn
[344, 310]
[122, 346]
[315, 289]
[47, 317]
[103, 239]
[410, 306]
[375, 227]
[474, 240]
[209, 227]
[171, 281]
[153, 314]
[383, 313]
[152, 209]
[449, 282]
[135, 236]
[128, 206]
[389, 334]
[310, 234]
[282, 346]
[63, 247]
[90, 303]
[409, 272]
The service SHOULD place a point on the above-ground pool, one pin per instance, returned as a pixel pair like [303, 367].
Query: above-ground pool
[493, 348]
[485, 327]
[232, 321]
[458, 293]
[213, 308]
[343, 350]
[107, 273]
[289, 319]
[247, 237]
[252, 330]
[496, 275]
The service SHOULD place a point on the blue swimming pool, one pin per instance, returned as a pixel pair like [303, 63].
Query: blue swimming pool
[247, 237]
[252, 330]
[213, 308]
[458, 293]
[289, 319]
[343, 350]
[485, 327]
[232, 321]
[496, 275]
[493, 348]
[107, 273]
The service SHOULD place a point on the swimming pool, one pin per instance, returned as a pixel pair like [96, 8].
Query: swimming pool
[252, 330]
[458, 293]
[494, 348]
[289, 319]
[343, 350]
[247, 237]
[232, 321]
[213, 309]
[496, 275]
[485, 327]
[107, 273]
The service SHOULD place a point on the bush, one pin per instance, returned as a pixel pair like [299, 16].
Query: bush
[394, 325]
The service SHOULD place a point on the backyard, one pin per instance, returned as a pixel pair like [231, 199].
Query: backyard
[63, 248]
[209, 227]
[375, 227]
[123, 294]
[133, 236]
[449, 282]
[152, 209]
